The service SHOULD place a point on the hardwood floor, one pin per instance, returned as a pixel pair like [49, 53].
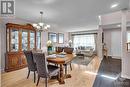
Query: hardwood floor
[82, 76]
[109, 74]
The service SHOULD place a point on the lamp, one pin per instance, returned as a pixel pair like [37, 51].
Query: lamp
[41, 26]
[70, 43]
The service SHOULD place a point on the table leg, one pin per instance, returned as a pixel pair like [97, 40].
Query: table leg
[67, 75]
[61, 81]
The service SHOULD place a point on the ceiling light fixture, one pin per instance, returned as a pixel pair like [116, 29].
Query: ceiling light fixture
[41, 26]
[119, 25]
[114, 5]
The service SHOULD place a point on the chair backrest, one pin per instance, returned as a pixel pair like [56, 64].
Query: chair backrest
[41, 64]
[68, 50]
[59, 49]
[37, 50]
[30, 61]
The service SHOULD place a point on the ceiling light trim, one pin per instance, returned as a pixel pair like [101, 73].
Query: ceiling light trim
[114, 5]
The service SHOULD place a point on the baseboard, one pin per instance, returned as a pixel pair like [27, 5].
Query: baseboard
[2, 70]
[115, 57]
[125, 76]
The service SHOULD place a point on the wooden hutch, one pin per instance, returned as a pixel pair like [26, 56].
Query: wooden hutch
[18, 38]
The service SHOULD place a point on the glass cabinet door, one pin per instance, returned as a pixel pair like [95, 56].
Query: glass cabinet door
[14, 40]
[38, 40]
[32, 40]
[24, 40]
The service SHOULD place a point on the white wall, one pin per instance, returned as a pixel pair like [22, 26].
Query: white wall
[0, 44]
[128, 16]
[3, 46]
[111, 18]
[45, 38]
[112, 38]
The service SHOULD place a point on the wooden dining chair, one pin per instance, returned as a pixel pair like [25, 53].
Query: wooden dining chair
[31, 64]
[68, 50]
[44, 70]
[59, 49]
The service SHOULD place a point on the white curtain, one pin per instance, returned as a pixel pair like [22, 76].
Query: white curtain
[128, 39]
[84, 40]
[128, 36]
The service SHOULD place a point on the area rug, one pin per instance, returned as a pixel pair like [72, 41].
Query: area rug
[82, 60]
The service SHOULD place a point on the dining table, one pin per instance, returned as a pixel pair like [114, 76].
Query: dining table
[61, 60]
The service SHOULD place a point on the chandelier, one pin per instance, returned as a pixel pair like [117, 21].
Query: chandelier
[41, 26]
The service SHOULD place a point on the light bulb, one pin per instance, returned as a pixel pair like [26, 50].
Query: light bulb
[45, 27]
[41, 24]
[34, 25]
[38, 27]
[48, 26]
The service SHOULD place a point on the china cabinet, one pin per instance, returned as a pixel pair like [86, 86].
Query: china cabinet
[18, 39]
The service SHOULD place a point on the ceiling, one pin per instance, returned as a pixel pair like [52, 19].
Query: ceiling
[67, 15]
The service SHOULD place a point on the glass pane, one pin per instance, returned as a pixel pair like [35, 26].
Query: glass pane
[52, 37]
[86, 41]
[39, 40]
[32, 40]
[61, 38]
[24, 40]
[14, 40]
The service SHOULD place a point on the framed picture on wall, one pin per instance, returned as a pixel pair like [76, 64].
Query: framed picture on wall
[52, 36]
[60, 38]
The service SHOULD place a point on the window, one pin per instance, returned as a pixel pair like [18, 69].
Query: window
[38, 40]
[128, 40]
[128, 37]
[60, 38]
[84, 40]
[52, 37]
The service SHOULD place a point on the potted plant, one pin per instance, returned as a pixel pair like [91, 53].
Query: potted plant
[49, 46]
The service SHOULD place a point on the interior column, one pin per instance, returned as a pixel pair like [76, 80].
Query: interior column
[99, 43]
[125, 73]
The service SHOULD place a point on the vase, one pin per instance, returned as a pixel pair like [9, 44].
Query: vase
[49, 48]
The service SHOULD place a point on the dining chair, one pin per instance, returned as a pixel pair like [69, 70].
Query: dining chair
[31, 64]
[44, 70]
[68, 50]
[59, 49]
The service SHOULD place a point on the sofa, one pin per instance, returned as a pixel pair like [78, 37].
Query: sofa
[85, 51]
